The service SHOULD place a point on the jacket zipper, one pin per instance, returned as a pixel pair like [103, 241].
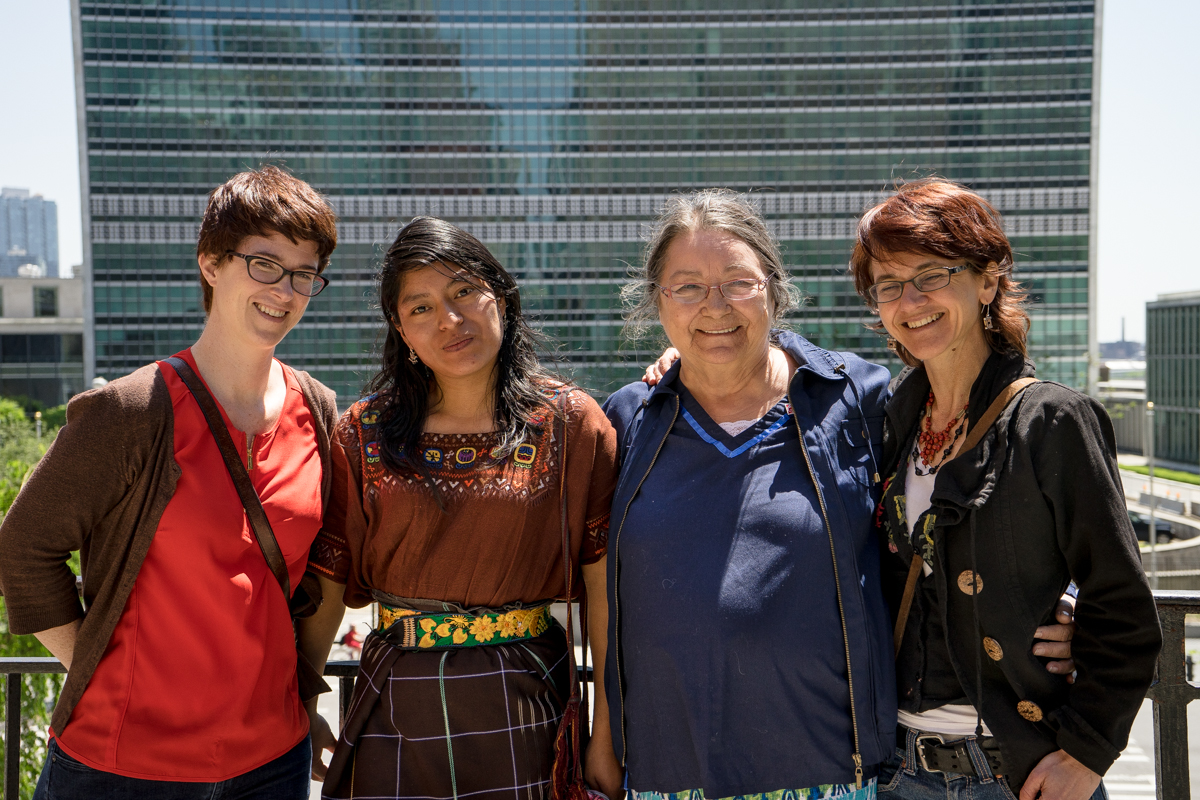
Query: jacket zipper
[249, 452]
[837, 582]
[616, 588]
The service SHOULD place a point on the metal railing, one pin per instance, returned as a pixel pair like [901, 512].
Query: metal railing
[1171, 694]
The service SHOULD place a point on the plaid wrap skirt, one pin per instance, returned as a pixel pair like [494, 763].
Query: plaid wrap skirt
[476, 722]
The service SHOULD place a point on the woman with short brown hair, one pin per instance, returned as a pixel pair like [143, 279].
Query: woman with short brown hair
[182, 670]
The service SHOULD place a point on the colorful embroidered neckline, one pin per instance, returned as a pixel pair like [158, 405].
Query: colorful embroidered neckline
[722, 449]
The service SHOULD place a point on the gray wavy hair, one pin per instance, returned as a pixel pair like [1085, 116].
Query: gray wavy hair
[706, 209]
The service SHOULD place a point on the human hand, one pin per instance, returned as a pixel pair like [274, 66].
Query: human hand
[601, 769]
[1059, 776]
[655, 371]
[1057, 639]
[322, 740]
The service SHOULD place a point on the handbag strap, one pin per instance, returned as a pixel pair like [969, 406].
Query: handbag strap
[237, 471]
[974, 437]
[568, 572]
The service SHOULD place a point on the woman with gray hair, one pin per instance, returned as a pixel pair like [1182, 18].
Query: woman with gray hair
[748, 643]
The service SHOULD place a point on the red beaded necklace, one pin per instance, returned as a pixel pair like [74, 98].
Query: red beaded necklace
[937, 445]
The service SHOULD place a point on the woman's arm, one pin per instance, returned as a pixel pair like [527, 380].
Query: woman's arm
[601, 769]
[1118, 637]
[60, 641]
[87, 472]
[315, 639]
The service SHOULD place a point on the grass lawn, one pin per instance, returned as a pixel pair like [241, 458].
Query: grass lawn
[1168, 474]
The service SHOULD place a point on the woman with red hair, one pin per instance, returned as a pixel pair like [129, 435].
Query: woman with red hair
[999, 492]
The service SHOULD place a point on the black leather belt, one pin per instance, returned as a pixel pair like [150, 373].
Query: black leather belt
[939, 752]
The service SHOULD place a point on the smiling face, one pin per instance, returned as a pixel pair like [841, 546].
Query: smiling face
[258, 312]
[937, 324]
[451, 320]
[717, 330]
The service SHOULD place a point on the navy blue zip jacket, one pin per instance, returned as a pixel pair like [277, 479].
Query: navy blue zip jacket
[838, 403]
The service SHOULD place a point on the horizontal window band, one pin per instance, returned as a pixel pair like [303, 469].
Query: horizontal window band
[643, 206]
[536, 232]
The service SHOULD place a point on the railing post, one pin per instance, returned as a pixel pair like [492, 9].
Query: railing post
[12, 735]
[1171, 694]
[345, 691]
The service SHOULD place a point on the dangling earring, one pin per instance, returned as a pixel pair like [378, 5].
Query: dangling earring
[412, 356]
[988, 325]
[892, 344]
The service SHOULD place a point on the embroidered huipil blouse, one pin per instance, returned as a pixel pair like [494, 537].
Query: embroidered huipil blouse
[498, 539]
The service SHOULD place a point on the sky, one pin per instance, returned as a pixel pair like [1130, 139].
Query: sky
[1149, 148]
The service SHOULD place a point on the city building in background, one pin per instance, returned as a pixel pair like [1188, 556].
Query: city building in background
[554, 130]
[1122, 389]
[28, 235]
[41, 338]
[1173, 376]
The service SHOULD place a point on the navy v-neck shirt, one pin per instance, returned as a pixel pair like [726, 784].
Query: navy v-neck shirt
[726, 541]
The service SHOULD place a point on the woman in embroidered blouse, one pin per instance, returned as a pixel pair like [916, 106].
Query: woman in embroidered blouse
[448, 481]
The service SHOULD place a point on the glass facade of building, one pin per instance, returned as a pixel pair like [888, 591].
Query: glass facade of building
[1173, 375]
[554, 130]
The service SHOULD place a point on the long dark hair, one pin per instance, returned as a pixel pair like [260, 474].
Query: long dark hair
[402, 388]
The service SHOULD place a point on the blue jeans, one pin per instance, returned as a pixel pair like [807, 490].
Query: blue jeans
[902, 777]
[285, 778]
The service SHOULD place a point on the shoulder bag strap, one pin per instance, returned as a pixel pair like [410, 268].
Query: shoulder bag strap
[237, 471]
[568, 572]
[974, 437]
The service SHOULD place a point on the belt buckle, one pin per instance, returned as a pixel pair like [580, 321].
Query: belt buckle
[921, 751]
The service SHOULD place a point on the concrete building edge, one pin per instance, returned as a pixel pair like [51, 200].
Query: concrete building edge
[1093, 352]
[85, 205]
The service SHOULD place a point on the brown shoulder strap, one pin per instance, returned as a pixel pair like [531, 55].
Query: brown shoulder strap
[910, 588]
[1010, 392]
[974, 437]
[237, 471]
[568, 567]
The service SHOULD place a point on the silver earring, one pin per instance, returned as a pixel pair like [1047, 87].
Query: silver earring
[412, 356]
[988, 325]
[892, 344]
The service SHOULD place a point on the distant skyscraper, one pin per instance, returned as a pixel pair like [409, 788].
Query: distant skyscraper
[553, 131]
[28, 232]
[1173, 375]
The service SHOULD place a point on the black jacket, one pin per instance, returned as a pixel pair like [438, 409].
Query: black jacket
[1036, 504]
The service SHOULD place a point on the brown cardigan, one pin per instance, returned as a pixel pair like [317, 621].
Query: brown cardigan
[101, 489]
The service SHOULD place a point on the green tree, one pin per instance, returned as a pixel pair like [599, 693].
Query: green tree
[20, 449]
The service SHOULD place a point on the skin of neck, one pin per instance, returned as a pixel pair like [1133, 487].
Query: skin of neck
[240, 374]
[463, 404]
[738, 390]
[952, 373]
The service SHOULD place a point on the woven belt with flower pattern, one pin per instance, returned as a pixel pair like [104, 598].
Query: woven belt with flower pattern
[409, 629]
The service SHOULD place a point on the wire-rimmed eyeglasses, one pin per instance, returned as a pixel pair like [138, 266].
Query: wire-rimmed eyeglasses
[264, 270]
[737, 289]
[928, 281]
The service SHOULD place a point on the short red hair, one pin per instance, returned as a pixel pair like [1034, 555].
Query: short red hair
[938, 217]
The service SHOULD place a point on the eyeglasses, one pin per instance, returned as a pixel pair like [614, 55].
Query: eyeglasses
[264, 270]
[928, 281]
[738, 289]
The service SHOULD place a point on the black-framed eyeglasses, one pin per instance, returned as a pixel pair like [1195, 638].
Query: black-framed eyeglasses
[928, 281]
[264, 270]
[737, 289]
